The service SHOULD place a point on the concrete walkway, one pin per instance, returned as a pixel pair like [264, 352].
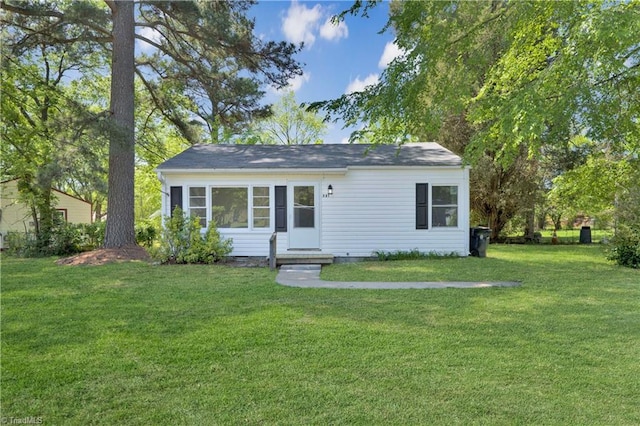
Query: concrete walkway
[308, 276]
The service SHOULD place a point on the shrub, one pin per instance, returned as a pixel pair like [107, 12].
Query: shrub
[92, 235]
[18, 243]
[182, 242]
[625, 249]
[410, 255]
[146, 234]
[63, 239]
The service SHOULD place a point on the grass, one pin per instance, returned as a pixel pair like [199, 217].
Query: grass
[141, 344]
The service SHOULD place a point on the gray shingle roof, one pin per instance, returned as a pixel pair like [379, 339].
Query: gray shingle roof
[328, 156]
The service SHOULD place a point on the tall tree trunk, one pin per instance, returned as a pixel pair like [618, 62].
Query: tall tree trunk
[497, 221]
[531, 223]
[45, 212]
[120, 200]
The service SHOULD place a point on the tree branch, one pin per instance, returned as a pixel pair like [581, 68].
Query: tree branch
[31, 12]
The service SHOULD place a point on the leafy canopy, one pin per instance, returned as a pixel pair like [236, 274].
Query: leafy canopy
[558, 68]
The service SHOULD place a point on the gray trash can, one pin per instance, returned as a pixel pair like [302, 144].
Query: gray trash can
[479, 240]
[585, 235]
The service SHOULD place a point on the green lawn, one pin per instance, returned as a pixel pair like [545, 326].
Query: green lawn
[141, 344]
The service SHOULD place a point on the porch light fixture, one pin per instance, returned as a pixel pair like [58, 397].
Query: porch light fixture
[330, 190]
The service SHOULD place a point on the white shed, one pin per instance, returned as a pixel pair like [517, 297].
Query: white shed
[337, 200]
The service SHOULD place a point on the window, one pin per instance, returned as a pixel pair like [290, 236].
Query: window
[303, 206]
[444, 206]
[261, 210]
[230, 207]
[198, 204]
[61, 215]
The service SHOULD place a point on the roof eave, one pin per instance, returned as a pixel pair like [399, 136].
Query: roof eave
[254, 170]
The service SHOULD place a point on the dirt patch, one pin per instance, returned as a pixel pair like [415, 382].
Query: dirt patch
[103, 256]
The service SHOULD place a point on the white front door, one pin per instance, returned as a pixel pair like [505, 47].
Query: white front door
[304, 216]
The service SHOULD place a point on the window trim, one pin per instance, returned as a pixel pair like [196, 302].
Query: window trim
[252, 207]
[207, 216]
[64, 213]
[248, 200]
[250, 225]
[432, 205]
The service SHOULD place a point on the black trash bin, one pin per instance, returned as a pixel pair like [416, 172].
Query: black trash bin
[585, 235]
[479, 240]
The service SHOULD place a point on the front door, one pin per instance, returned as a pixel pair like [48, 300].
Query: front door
[304, 232]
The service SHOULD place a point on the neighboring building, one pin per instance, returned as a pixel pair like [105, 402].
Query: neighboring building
[340, 200]
[16, 216]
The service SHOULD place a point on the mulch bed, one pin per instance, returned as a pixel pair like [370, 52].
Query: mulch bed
[103, 256]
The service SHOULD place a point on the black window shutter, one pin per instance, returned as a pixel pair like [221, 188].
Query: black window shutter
[281, 208]
[175, 198]
[422, 206]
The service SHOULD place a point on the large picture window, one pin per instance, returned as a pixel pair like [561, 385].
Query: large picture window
[444, 206]
[230, 207]
[198, 204]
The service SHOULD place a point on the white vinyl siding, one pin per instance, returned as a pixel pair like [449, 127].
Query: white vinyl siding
[375, 210]
[371, 209]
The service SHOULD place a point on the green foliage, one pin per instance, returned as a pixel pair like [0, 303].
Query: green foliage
[532, 73]
[626, 243]
[17, 243]
[93, 235]
[206, 66]
[591, 188]
[625, 250]
[61, 240]
[411, 255]
[182, 242]
[289, 124]
[146, 233]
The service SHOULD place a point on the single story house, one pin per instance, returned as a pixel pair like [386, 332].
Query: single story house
[15, 216]
[334, 199]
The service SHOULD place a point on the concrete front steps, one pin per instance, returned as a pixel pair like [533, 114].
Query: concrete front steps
[302, 258]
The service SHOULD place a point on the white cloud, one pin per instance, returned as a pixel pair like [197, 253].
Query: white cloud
[333, 32]
[300, 23]
[296, 82]
[391, 51]
[358, 85]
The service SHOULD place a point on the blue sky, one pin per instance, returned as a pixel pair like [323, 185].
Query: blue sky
[336, 59]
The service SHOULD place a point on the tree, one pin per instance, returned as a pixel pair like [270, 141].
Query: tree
[120, 220]
[520, 75]
[595, 187]
[289, 124]
[205, 50]
[47, 130]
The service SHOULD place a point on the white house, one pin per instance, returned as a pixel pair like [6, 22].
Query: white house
[338, 200]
